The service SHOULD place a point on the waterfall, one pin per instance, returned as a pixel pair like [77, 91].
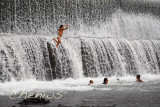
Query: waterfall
[26, 57]
[90, 18]
[104, 38]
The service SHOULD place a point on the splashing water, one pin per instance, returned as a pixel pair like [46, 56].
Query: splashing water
[106, 38]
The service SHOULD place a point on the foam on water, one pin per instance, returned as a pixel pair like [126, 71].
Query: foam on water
[71, 84]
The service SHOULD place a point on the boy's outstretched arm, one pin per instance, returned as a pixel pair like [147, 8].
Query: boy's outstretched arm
[66, 27]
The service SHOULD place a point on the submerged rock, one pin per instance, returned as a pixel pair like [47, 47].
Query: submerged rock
[34, 100]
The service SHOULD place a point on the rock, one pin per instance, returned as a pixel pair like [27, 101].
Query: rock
[33, 100]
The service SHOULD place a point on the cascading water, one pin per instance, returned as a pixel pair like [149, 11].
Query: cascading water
[114, 39]
[90, 18]
[37, 57]
[93, 46]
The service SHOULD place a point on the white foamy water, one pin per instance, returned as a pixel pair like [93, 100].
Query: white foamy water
[80, 84]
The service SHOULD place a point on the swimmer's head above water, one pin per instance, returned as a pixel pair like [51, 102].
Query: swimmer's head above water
[90, 82]
[105, 81]
[138, 78]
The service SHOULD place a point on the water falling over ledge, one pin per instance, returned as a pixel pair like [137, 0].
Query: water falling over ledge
[36, 57]
[114, 39]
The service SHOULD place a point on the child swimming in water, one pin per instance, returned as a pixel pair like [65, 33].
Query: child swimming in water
[60, 33]
[105, 81]
[138, 78]
[90, 82]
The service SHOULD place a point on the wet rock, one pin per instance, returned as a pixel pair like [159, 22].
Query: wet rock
[34, 100]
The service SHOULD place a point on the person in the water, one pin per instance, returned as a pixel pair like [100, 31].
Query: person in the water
[60, 33]
[105, 81]
[138, 78]
[90, 82]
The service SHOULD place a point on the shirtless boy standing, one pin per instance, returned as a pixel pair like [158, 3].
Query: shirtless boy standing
[60, 33]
